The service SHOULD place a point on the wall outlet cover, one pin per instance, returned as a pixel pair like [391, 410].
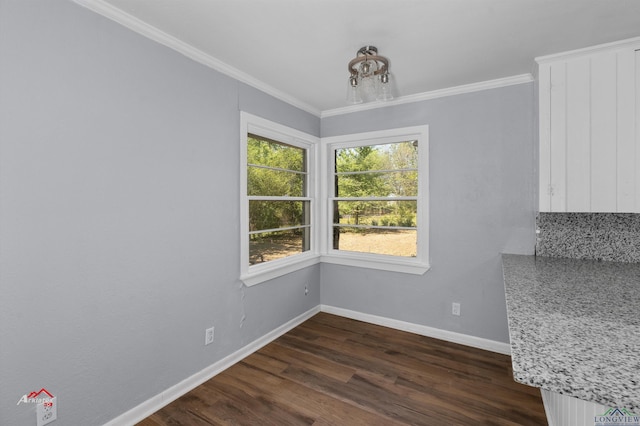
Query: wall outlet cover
[455, 308]
[208, 336]
[47, 412]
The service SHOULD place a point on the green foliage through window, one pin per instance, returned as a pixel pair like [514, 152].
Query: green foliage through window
[377, 189]
[276, 175]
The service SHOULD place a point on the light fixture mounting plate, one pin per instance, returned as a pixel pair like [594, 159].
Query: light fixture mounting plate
[368, 50]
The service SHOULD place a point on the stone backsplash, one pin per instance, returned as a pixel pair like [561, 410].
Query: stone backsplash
[600, 236]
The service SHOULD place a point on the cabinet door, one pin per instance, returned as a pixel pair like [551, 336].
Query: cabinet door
[628, 136]
[589, 136]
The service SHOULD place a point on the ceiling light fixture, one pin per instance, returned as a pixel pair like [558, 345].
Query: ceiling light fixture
[369, 77]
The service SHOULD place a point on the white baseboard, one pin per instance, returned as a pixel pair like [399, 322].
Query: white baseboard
[153, 404]
[423, 330]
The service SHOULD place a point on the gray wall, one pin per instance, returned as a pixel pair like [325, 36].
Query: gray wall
[119, 205]
[481, 203]
[119, 198]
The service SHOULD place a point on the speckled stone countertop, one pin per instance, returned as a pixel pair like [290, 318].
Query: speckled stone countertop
[575, 327]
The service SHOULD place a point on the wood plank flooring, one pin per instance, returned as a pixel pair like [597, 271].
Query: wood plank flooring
[337, 371]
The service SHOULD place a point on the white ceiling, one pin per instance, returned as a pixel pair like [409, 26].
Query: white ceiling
[299, 49]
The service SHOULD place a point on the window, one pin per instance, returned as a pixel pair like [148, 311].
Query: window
[277, 207]
[377, 200]
[372, 211]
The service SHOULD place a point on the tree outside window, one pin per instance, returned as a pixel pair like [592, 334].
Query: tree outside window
[279, 219]
[375, 204]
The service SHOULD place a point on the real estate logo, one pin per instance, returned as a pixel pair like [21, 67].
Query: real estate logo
[43, 396]
[617, 417]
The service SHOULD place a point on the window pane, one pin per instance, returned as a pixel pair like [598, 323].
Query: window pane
[376, 213]
[266, 152]
[393, 242]
[379, 184]
[268, 246]
[268, 182]
[277, 214]
[401, 155]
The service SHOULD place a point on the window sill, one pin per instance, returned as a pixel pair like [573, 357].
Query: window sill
[378, 262]
[261, 273]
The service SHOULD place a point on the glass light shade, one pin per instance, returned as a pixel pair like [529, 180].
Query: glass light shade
[369, 79]
[369, 88]
[385, 92]
[353, 92]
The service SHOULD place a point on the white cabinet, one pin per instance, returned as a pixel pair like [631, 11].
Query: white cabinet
[563, 410]
[589, 104]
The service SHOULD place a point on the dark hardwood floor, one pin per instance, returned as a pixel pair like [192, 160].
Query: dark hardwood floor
[337, 371]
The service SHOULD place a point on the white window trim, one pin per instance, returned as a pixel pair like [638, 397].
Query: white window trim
[418, 265]
[255, 274]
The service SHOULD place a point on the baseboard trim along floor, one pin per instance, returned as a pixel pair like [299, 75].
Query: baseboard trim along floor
[423, 330]
[164, 398]
[153, 404]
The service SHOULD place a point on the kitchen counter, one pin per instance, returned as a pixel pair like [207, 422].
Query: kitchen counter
[575, 327]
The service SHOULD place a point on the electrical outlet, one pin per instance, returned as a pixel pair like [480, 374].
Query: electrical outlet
[455, 308]
[208, 336]
[47, 411]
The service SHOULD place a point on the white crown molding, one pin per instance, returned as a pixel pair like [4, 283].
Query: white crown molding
[456, 90]
[630, 43]
[113, 13]
[118, 15]
[423, 330]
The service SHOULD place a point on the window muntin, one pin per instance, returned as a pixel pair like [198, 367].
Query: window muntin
[296, 229]
[375, 207]
[279, 208]
[275, 168]
[383, 184]
[388, 188]
[267, 152]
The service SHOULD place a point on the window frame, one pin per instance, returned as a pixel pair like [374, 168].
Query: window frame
[255, 274]
[414, 265]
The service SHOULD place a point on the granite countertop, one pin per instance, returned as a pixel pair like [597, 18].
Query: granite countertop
[575, 327]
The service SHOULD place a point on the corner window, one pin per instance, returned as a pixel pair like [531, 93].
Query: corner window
[277, 206]
[377, 200]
